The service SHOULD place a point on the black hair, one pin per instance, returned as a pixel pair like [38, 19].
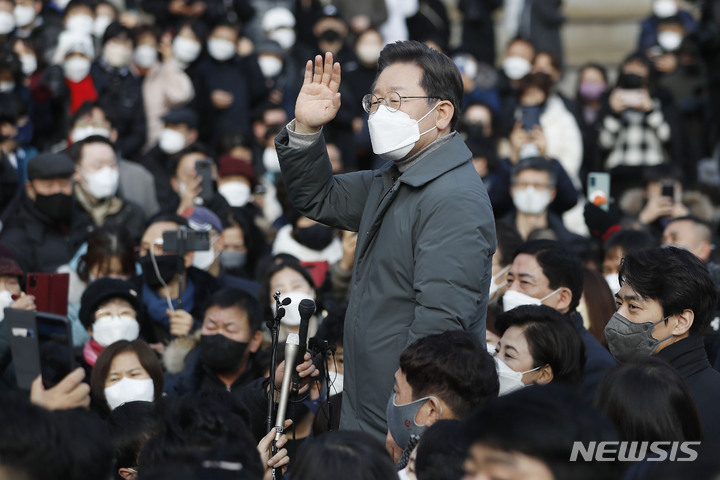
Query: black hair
[540, 164]
[88, 442]
[441, 451]
[131, 425]
[9, 108]
[31, 445]
[147, 358]
[661, 406]
[343, 454]
[551, 338]
[508, 240]
[454, 366]
[86, 108]
[559, 264]
[675, 278]
[656, 173]
[202, 424]
[540, 80]
[9, 60]
[232, 297]
[544, 422]
[74, 151]
[554, 59]
[279, 263]
[332, 329]
[195, 147]
[441, 78]
[118, 30]
[168, 217]
[594, 66]
[630, 241]
[229, 140]
[106, 242]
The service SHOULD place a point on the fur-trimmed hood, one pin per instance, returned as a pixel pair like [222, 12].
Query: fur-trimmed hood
[177, 351]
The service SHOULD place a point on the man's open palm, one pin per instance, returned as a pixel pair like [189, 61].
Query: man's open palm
[319, 100]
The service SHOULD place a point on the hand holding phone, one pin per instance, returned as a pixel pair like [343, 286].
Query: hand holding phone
[203, 168]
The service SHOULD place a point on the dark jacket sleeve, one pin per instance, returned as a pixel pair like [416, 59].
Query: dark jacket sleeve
[334, 200]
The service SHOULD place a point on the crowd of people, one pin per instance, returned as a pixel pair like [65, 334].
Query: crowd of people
[504, 275]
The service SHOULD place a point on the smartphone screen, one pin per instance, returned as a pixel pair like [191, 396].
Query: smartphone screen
[56, 348]
[203, 168]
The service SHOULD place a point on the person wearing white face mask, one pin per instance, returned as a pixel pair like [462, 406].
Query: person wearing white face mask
[119, 89]
[537, 346]
[165, 84]
[96, 185]
[10, 293]
[546, 273]
[236, 180]
[532, 190]
[232, 83]
[201, 219]
[109, 311]
[664, 10]
[126, 371]
[79, 18]
[278, 24]
[428, 273]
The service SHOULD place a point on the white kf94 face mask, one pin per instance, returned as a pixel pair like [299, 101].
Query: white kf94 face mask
[513, 298]
[394, 134]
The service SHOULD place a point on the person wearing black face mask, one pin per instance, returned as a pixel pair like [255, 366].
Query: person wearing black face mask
[308, 241]
[43, 228]
[222, 358]
[174, 313]
[638, 125]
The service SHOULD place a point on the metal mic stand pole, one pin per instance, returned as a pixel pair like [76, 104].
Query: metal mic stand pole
[274, 326]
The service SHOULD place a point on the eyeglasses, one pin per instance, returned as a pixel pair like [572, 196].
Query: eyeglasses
[392, 101]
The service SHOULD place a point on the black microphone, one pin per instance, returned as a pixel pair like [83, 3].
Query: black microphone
[306, 310]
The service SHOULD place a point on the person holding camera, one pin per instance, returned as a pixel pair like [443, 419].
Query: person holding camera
[638, 123]
[173, 293]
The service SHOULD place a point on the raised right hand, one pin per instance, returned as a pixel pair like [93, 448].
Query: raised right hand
[319, 100]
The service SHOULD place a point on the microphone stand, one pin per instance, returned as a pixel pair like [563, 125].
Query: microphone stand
[274, 326]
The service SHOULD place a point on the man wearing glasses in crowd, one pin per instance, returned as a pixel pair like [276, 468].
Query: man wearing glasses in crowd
[425, 227]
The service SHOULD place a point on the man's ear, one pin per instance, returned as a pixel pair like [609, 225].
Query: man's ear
[564, 299]
[445, 111]
[685, 320]
[430, 412]
[127, 473]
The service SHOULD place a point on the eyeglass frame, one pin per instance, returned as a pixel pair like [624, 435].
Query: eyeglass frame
[383, 100]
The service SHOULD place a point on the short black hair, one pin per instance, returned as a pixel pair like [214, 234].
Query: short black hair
[75, 150]
[343, 454]
[662, 406]
[131, 425]
[195, 147]
[453, 366]
[630, 240]
[675, 278]
[441, 78]
[540, 164]
[232, 297]
[551, 338]
[544, 422]
[441, 451]
[559, 264]
[117, 30]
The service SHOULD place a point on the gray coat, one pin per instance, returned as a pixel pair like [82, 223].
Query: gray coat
[422, 261]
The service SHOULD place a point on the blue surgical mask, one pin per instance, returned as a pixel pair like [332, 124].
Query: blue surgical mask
[401, 420]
